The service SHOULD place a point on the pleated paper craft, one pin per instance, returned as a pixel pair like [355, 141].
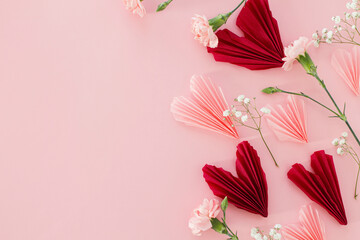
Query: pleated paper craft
[322, 186]
[347, 65]
[310, 226]
[260, 47]
[289, 123]
[248, 191]
[205, 108]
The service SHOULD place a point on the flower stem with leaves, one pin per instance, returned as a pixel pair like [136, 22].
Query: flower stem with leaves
[221, 226]
[310, 68]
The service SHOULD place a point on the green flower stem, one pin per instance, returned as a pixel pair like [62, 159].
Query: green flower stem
[356, 183]
[236, 7]
[258, 128]
[340, 114]
[307, 96]
[263, 139]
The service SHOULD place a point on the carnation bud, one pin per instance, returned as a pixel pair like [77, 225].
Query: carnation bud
[218, 21]
[218, 226]
[163, 5]
[270, 90]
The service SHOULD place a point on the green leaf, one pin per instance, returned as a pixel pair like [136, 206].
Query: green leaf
[270, 90]
[224, 204]
[218, 226]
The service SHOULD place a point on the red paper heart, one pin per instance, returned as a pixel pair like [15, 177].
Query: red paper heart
[322, 186]
[248, 191]
[260, 47]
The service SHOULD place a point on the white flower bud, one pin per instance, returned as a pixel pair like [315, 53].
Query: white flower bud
[277, 236]
[330, 34]
[317, 43]
[244, 118]
[345, 134]
[340, 151]
[277, 226]
[353, 27]
[226, 113]
[324, 30]
[254, 231]
[246, 100]
[348, 5]
[272, 232]
[238, 114]
[265, 110]
[337, 19]
[240, 98]
[335, 142]
[342, 142]
[315, 36]
[347, 16]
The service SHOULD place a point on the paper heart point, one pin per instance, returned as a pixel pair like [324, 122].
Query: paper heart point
[260, 47]
[205, 108]
[322, 186]
[289, 123]
[310, 226]
[247, 191]
[347, 65]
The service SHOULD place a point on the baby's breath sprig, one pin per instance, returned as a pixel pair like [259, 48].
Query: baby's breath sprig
[244, 110]
[345, 30]
[343, 148]
[274, 233]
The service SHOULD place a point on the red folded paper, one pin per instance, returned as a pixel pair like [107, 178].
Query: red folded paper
[248, 191]
[322, 186]
[260, 47]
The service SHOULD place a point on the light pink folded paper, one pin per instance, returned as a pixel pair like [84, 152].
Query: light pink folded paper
[289, 122]
[347, 65]
[205, 108]
[310, 226]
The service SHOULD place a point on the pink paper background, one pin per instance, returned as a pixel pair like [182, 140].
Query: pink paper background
[88, 147]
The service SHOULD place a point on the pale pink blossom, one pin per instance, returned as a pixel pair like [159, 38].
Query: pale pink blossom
[203, 32]
[135, 6]
[298, 47]
[200, 222]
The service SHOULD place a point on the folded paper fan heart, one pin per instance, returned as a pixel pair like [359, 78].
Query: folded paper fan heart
[310, 226]
[322, 186]
[248, 191]
[289, 123]
[205, 108]
[260, 47]
[347, 65]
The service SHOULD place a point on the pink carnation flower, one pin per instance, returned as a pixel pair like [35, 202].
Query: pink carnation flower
[298, 47]
[200, 222]
[203, 31]
[135, 6]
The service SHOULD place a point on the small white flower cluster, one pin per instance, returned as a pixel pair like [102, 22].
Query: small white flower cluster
[353, 5]
[237, 113]
[341, 144]
[274, 233]
[344, 33]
